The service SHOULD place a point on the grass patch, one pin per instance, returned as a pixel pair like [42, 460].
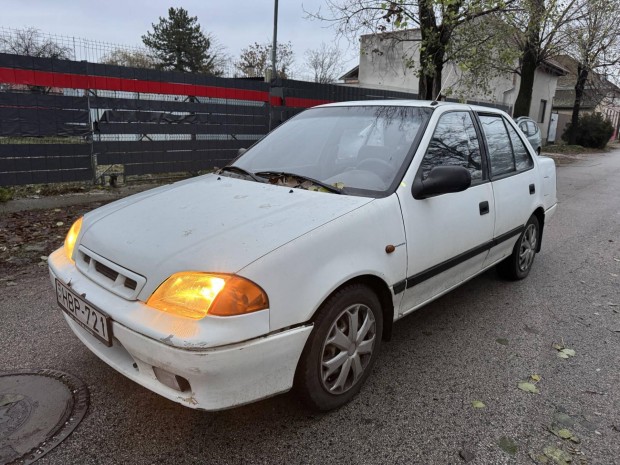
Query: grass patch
[5, 194]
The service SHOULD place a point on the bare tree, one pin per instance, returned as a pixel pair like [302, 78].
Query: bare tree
[132, 58]
[325, 63]
[596, 48]
[437, 21]
[255, 60]
[543, 35]
[32, 42]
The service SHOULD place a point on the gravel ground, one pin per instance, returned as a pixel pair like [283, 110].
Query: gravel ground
[475, 344]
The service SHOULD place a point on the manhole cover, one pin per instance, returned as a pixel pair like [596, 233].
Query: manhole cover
[38, 410]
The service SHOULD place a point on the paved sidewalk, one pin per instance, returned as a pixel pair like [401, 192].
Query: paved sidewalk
[64, 200]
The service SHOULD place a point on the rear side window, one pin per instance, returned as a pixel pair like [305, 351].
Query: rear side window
[498, 142]
[454, 143]
[522, 158]
[507, 153]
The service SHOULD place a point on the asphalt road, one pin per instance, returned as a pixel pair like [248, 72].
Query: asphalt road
[476, 343]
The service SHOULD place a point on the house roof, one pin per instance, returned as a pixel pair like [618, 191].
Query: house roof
[351, 74]
[553, 67]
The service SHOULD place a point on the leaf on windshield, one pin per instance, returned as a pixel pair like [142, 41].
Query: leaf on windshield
[314, 188]
[306, 185]
[338, 185]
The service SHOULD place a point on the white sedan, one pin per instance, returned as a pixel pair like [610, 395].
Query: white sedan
[287, 268]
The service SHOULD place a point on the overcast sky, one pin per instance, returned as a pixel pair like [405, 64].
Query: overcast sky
[235, 24]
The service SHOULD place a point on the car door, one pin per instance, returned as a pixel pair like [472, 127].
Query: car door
[447, 235]
[513, 179]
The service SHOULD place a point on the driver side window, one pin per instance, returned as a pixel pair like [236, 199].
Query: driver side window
[454, 143]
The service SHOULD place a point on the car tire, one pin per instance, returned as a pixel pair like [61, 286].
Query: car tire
[520, 262]
[341, 349]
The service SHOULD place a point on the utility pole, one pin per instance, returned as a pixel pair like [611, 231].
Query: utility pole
[274, 46]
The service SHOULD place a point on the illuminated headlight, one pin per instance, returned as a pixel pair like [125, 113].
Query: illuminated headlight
[71, 238]
[195, 294]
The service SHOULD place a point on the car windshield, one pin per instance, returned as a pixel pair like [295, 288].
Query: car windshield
[360, 150]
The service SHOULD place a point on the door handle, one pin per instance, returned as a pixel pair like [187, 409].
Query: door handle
[484, 207]
[532, 189]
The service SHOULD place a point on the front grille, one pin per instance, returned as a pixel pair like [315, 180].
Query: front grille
[109, 275]
[105, 271]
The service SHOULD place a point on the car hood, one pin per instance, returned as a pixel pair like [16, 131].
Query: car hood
[210, 223]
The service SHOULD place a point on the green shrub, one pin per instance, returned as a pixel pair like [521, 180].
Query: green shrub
[593, 131]
[5, 194]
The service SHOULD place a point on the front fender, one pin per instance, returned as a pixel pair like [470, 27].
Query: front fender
[301, 274]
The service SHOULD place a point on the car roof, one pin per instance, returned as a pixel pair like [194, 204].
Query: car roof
[411, 103]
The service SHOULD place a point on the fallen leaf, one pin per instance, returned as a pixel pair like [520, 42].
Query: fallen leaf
[562, 355]
[569, 352]
[559, 456]
[478, 404]
[557, 346]
[7, 399]
[528, 387]
[502, 341]
[338, 185]
[59, 223]
[540, 458]
[467, 455]
[535, 378]
[508, 445]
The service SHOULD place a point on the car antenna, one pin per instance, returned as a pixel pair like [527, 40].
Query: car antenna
[436, 101]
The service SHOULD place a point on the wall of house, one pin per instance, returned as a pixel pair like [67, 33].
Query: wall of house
[382, 64]
[544, 89]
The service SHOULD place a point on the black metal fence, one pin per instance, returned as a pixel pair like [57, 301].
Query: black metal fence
[66, 120]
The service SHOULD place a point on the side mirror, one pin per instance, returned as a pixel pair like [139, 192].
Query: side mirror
[241, 151]
[441, 180]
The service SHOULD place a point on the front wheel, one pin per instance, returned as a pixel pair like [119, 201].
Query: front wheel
[342, 348]
[519, 264]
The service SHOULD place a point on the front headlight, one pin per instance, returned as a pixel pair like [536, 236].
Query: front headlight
[71, 238]
[195, 294]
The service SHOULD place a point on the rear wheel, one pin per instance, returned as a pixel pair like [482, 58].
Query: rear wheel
[342, 348]
[519, 264]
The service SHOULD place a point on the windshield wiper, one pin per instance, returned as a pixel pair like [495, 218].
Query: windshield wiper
[322, 184]
[237, 170]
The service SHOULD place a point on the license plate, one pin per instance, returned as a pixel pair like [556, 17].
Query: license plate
[90, 318]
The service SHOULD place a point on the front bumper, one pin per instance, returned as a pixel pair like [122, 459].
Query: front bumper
[217, 377]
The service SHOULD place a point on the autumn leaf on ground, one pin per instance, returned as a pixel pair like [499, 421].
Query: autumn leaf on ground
[535, 378]
[559, 456]
[508, 445]
[478, 404]
[564, 433]
[528, 387]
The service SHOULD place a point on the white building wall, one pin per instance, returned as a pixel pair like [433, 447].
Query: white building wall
[389, 61]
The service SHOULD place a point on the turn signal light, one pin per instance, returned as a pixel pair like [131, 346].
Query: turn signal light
[195, 294]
